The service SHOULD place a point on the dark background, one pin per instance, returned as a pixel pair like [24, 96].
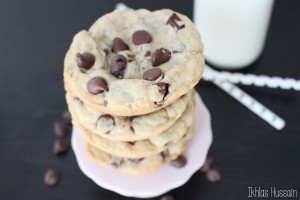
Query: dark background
[34, 36]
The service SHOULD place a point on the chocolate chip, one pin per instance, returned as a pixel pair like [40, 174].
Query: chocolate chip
[117, 65]
[175, 22]
[52, 177]
[117, 162]
[85, 60]
[152, 74]
[132, 129]
[105, 102]
[165, 154]
[67, 117]
[77, 99]
[163, 88]
[160, 56]
[119, 45]
[60, 147]
[106, 51]
[179, 162]
[213, 175]
[136, 160]
[60, 130]
[158, 104]
[141, 37]
[108, 119]
[207, 164]
[167, 197]
[131, 142]
[147, 54]
[97, 85]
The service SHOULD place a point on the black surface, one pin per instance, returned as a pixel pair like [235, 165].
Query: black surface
[34, 37]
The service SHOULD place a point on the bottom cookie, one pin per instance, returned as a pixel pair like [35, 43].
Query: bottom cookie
[139, 166]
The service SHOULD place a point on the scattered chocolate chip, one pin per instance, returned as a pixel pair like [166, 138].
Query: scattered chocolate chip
[131, 142]
[97, 85]
[179, 162]
[141, 37]
[147, 54]
[152, 74]
[117, 65]
[52, 177]
[106, 51]
[165, 154]
[136, 160]
[117, 162]
[85, 60]
[207, 164]
[60, 147]
[167, 197]
[160, 56]
[108, 119]
[67, 117]
[213, 175]
[175, 22]
[60, 130]
[119, 45]
[132, 129]
[163, 88]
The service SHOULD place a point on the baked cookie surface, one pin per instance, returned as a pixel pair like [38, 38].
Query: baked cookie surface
[142, 148]
[133, 62]
[127, 128]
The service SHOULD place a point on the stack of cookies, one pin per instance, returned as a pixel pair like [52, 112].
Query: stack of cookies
[129, 83]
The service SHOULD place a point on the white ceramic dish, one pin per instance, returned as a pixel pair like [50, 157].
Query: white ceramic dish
[158, 182]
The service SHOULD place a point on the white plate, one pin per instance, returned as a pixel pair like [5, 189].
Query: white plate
[158, 182]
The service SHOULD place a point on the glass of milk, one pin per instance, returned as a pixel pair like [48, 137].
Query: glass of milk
[233, 31]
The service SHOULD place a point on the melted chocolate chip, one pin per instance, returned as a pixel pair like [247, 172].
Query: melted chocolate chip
[85, 60]
[163, 88]
[52, 177]
[106, 51]
[136, 160]
[141, 37]
[107, 119]
[152, 74]
[77, 99]
[117, 65]
[117, 162]
[132, 129]
[97, 85]
[147, 54]
[179, 162]
[60, 147]
[175, 22]
[165, 154]
[160, 56]
[132, 142]
[158, 104]
[119, 45]
[105, 103]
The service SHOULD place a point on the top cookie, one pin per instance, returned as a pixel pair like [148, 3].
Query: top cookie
[133, 62]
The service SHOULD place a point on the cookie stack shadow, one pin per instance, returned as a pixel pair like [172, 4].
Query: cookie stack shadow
[140, 134]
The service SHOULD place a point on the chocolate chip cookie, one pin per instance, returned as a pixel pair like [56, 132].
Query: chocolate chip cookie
[133, 62]
[127, 128]
[142, 165]
[136, 149]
